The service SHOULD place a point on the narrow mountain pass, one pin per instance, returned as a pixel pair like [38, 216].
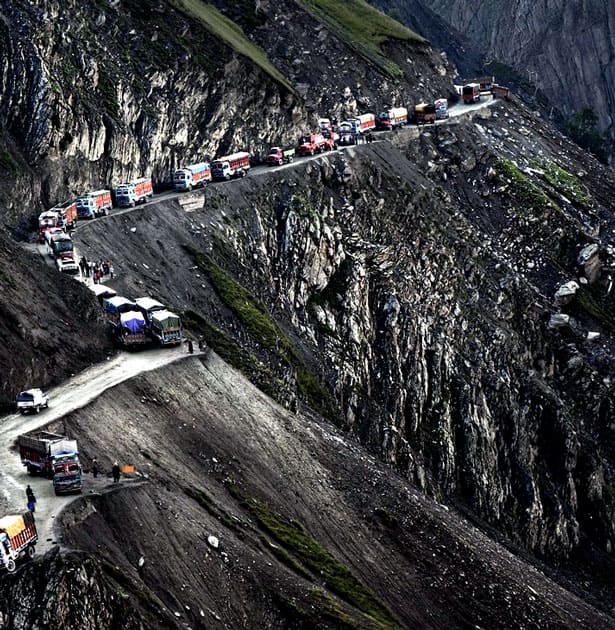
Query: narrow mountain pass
[72, 395]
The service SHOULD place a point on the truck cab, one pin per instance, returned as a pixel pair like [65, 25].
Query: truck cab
[67, 473]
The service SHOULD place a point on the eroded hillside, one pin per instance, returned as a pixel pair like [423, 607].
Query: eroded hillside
[308, 530]
[412, 302]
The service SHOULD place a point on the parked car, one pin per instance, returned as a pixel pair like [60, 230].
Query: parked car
[32, 400]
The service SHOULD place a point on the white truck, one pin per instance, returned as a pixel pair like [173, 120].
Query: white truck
[129, 194]
[32, 400]
[18, 537]
[231, 166]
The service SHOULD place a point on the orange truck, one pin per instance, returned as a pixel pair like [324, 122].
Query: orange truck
[18, 538]
[129, 194]
[94, 204]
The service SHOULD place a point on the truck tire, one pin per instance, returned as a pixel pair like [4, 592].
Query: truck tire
[291, 159]
[30, 551]
[31, 470]
[38, 408]
[46, 404]
[10, 565]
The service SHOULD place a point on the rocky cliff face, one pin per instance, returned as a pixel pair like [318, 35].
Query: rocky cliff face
[420, 293]
[444, 297]
[110, 91]
[564, 48]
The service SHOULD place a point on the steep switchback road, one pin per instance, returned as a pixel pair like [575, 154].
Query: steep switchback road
[73, 395]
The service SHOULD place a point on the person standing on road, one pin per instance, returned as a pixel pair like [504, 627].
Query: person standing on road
[116, 472]
[190, 346]
[111, 270]
[29, 493]
[31, 501]
[95, 468]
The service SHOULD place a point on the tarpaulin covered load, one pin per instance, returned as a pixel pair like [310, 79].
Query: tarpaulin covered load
[133, 321]
[149, 304]
[102, 291]
[118, 304]
[166, 320]
[12, 524]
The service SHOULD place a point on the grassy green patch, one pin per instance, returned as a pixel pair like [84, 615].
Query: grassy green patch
[221, 27]
[525, 191]
[234, 354]
[331, 610]
[363, 28]
[262, 329]
[286, 558]
[596, 306]
[317, 559]
[249, 310]
[565, 183]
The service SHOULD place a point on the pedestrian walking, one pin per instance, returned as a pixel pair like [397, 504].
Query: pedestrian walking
[105, 268]
[116, 472]
[190, 346]
[201, 344]
[95, 468]
[30, 493]
[111, 270]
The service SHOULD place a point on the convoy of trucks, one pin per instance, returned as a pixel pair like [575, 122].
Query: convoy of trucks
[94, 204]
[129, 194]
[192, 176]
[18, 538]
[231, 166]
[136, 323]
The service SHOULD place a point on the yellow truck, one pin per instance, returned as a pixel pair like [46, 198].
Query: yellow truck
[18, 538]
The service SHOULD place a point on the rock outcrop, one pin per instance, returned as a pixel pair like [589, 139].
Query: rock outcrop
[564, 48]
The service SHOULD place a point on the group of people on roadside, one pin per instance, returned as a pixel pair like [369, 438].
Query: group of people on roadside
[96, 270]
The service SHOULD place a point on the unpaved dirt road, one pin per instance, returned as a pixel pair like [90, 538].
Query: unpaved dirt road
[72, 395]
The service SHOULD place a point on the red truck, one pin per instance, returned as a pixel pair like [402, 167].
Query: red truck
[314, 143]
[278, 156]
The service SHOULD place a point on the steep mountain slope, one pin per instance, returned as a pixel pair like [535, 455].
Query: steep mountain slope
[443, 298]
[565, 48]
[413, 300]
[50, 326]
[310, 532]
